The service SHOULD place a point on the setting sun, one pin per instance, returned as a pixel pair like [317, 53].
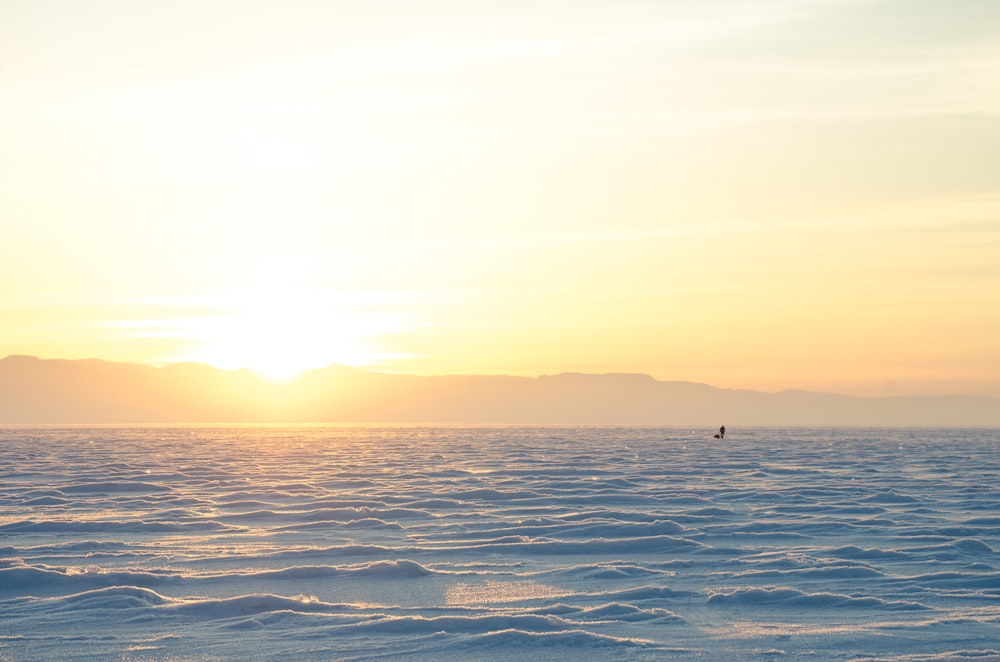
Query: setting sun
[279, 321]
[279, 332]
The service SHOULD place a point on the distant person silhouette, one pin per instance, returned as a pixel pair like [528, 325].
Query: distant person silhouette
[722, 432]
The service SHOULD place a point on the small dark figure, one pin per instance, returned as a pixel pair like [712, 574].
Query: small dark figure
[722, 432]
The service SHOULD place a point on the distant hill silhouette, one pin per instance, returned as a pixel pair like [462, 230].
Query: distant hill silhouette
[37, 391]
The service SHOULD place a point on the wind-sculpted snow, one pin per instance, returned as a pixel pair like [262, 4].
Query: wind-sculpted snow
[467, 543]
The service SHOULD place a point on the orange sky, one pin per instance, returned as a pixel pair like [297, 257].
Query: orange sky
[763, 194]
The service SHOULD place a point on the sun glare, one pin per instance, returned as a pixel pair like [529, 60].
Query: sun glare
[281, 328]
[280, 333]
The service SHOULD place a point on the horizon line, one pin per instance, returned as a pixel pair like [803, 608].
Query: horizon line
[302, 373]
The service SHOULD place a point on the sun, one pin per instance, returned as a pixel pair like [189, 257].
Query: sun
[280, 334]
[281, 330]
[281, 320]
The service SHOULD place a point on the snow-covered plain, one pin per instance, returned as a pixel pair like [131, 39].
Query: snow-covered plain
[464, 543]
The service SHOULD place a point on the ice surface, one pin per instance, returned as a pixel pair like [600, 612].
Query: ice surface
[473, 543]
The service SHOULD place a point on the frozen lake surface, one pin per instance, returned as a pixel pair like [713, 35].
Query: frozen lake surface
[471, 543]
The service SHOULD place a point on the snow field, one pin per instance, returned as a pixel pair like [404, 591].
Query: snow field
[464, 543]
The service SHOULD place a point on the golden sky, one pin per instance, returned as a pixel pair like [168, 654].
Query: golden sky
[759, 194]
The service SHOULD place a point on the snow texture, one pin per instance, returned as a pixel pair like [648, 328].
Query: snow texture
[477, 543]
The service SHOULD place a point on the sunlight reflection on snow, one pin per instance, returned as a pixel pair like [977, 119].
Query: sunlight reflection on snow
[495, 591]
[758, 629]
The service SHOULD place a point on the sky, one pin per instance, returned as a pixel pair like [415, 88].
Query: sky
[763, 194]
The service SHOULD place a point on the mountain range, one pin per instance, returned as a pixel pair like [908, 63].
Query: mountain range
[92, 391]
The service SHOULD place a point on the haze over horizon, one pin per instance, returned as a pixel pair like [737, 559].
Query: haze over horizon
[280, 380]
[765, 195]
[37, 391]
